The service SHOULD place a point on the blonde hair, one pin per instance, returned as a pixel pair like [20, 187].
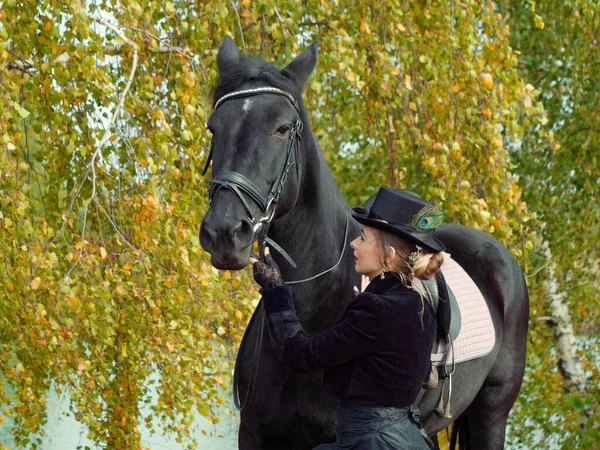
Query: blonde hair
[410, 273]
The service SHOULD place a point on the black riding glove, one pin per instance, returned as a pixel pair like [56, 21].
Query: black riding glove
[266, 272]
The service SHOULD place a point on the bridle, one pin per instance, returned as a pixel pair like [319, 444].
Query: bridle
[240, 185]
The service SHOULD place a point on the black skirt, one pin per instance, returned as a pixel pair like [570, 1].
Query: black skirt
[377, 428]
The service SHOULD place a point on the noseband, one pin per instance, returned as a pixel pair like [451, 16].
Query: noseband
[241, 186]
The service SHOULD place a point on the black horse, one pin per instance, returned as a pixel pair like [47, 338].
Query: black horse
[253, 132]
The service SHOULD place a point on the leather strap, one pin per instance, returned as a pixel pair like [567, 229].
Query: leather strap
[235, 179]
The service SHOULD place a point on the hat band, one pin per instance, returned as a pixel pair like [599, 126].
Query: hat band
[415, 232]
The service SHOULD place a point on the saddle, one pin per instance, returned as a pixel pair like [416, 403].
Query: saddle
[445, 305]
[448, 327]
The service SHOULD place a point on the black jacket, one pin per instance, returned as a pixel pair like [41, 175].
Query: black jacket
[378, 352]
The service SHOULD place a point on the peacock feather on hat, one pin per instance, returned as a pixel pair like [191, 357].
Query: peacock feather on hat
[430, 216]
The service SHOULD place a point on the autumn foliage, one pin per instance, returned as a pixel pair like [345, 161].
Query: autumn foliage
[102, 139]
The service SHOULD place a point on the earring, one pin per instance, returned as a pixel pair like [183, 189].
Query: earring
[412, 259]
[383, 275]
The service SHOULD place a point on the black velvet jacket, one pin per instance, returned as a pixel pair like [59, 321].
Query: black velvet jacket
[377, 353]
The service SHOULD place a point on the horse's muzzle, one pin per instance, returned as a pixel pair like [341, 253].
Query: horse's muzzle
[228, 241]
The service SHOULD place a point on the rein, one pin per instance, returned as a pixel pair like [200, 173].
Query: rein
[258, 345]
[241, 187]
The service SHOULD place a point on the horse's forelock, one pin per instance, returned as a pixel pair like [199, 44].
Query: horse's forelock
[252, 69]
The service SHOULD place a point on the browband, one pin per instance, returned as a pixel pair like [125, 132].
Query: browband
[256, 91]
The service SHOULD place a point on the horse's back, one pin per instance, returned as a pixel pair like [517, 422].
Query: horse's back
[498, 275]
[491, 265]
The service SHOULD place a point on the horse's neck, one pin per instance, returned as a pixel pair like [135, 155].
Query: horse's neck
[313, 234]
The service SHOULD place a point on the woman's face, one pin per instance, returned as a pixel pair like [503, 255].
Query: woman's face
[366, 253]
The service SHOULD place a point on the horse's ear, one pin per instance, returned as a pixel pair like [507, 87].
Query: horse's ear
[228, 55]
[302, 66]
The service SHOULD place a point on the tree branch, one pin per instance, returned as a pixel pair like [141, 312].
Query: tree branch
[162, 49]
[122, 96]
[22, 64]
[239, 25]
[282, 23]
[166, 48]
[537, 271]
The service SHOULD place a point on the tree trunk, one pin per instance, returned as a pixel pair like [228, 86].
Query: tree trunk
[568, 361]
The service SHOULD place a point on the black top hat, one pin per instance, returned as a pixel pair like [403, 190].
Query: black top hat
[403, 213]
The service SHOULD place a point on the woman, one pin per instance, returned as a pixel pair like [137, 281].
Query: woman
[378, 354]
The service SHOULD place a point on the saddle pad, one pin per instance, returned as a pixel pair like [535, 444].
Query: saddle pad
[477, 336]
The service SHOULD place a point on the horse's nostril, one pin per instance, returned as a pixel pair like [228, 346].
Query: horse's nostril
[242, 232]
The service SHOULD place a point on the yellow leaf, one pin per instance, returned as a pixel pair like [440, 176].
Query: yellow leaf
[412, 106]
[238, 314]
[351, 76]
[127, 266]
[407, 80]
[497, 141]
[205, 282]
[170, 347]
[103, 252]
[36, 283]
[487, 81]
[226, 275]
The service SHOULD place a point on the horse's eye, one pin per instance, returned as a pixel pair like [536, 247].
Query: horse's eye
[282, 130]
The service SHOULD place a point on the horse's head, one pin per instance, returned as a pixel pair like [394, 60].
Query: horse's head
[256, 127]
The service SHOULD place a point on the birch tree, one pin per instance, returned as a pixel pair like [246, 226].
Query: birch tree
[102, 132]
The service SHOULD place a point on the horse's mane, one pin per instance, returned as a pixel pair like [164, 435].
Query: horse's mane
[253, 69]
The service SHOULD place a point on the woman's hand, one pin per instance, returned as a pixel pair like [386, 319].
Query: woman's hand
[266, 271]
[364, 282]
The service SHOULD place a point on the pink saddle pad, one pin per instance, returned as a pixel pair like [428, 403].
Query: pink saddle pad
[477, 336]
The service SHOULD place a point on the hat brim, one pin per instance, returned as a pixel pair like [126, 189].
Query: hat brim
[430, 244]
